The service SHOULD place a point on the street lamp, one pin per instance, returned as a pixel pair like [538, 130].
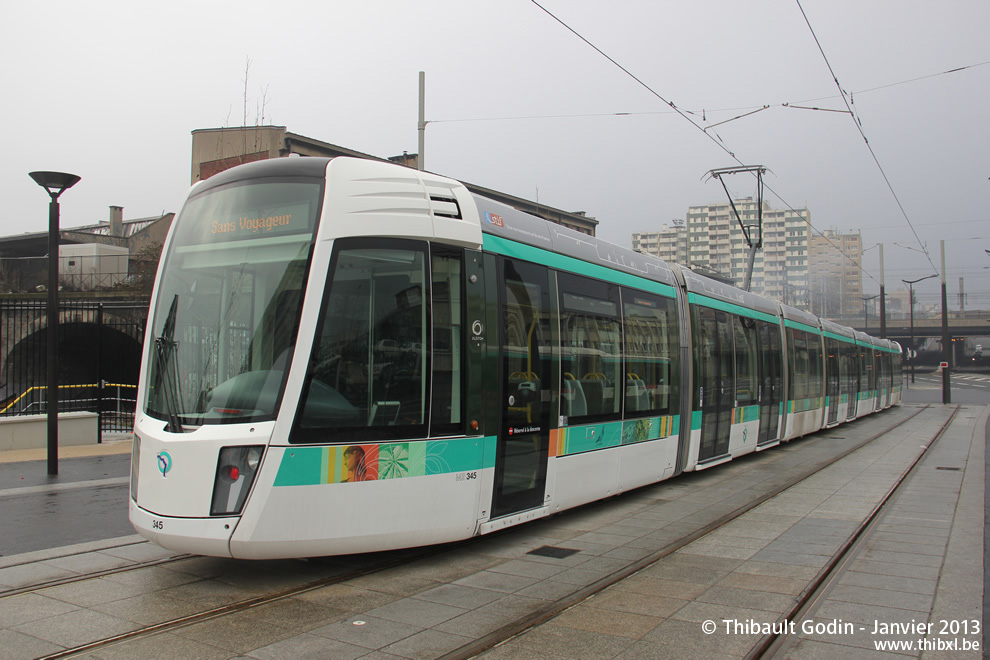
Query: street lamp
[54, 183]
[910, 285]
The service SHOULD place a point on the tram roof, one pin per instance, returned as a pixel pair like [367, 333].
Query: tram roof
[501, 220]
[710, 288]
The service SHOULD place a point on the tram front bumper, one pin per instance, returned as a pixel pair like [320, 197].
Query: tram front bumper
[198, 536]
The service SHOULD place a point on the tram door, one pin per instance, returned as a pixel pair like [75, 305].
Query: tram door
[832, 380]
[855, 367]
[524, 435]
[716, 387]
[771, 381]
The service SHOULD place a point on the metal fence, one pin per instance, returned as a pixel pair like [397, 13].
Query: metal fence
[99, 358]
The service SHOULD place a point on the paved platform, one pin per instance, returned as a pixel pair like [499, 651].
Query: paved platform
[923, 562]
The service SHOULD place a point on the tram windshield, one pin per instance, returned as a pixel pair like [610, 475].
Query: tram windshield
[227, 311]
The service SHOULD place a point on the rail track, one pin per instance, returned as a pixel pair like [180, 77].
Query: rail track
[355, 567]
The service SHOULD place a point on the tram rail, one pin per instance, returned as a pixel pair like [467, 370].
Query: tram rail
[401, 558]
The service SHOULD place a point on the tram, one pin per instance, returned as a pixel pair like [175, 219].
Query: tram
[348, 356]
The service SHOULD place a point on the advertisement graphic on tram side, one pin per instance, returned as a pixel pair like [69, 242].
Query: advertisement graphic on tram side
[371, 462]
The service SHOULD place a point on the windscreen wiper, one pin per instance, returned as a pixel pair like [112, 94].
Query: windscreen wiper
[165, 351]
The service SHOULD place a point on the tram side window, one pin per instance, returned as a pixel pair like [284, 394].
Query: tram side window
[805, 352]
[369, 367]
[651, 341]
[591, 349]
[816, 374]
[448, 312]
[747, 374]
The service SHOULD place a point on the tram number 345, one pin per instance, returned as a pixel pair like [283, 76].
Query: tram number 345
[467, 476]
[158, 524]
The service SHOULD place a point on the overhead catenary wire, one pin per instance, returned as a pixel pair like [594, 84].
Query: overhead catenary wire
[713, 136]
[790, 105]
[859, 127]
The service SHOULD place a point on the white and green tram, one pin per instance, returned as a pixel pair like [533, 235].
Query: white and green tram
[348, 355]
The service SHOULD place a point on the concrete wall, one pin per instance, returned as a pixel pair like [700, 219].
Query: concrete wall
[31, 431]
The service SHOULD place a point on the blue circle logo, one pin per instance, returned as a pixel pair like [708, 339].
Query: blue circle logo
[164, 462]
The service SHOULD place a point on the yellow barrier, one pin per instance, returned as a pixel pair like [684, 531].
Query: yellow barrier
[60, 387]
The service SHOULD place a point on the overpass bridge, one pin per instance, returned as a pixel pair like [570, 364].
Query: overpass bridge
[965, 332]
[973, 324]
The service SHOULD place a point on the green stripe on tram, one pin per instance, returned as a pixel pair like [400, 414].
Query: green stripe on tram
[510, 248]
[739, 310]
[832, 335]
[797, 325]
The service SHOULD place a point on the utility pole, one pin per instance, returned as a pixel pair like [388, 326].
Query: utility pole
[883, 299]
[946, 355]
[421, 157]
[910, 284]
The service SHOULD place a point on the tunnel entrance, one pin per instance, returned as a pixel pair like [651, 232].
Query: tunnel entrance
[99, 360]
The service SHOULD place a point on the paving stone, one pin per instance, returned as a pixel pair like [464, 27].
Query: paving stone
[87, 562]
[413, 612]
[779, 585]
[898, 570]
[497, 581]
[27, 575]
[607, 622]
[369, 632]
[626, 601]
[553, 640]
[880, 597]
[16, 646]
[914, 548]
[163, 646]
[23, 608]
[426, 645]
[530, 569]
[892, 583]
[902, 557]
[646, 584]
[240, 632]
[474, 624]
[815, 650]
[549, 589]
[682, 639]
[747, 598]
[148, 609]
[140, 552]
[457, 595]
[305, 647]
[87, 593]
[76, 628]
[297, 615]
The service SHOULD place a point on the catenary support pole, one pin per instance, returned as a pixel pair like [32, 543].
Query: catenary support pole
[883, 299]
[946, 348]
[421, 156]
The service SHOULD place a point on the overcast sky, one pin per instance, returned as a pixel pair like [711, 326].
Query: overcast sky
[111, 91]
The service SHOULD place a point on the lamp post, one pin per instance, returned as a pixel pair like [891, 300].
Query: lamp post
[54, 183]
[910, 285]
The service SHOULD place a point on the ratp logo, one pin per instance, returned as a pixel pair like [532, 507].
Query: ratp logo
[164, 462]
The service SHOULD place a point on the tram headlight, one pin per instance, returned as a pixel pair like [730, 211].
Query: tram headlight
[236, 469]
